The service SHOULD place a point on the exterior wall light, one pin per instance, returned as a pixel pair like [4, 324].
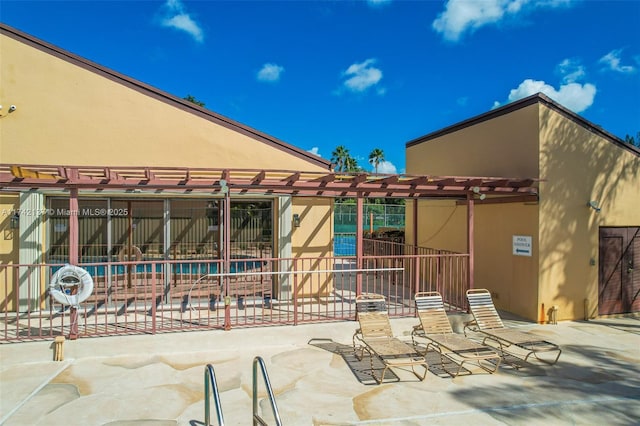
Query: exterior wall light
[594, 205]
[296, 220]
[224, 188]
[15, 221]
[476, 190]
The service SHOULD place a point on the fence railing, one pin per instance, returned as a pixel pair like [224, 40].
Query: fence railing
[151, 297]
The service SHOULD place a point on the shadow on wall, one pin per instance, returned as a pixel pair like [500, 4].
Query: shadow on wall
[321, 283]
[578, 166]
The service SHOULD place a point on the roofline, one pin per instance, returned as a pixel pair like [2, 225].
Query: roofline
[161, 95]
[519, 104]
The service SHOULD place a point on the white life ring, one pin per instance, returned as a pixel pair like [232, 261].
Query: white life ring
[70, 276]
[126, 254]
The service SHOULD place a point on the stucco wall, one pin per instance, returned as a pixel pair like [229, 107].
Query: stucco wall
[576, 165]
[69, 115]
[511, 279]
[9, 244]
[441, 224]
[506, 146]
[580, 166]
[314, 239]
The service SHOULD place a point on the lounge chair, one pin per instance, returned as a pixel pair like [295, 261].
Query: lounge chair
[376, 338]
[436, 329]
[487, 321]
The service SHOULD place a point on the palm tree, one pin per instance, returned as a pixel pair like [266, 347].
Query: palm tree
[193, 100]
[633, 141]
[340, 157]
[376, 157]
[351, 165]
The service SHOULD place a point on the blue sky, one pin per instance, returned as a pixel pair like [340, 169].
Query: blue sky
[362, 74]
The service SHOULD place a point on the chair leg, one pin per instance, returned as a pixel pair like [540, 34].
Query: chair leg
[549, 362]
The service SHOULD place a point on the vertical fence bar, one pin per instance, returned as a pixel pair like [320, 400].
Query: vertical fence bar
[295, 292]
[470, 237]
[154, 302]
[359, 242]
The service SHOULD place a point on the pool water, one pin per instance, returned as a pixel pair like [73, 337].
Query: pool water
[180, 268]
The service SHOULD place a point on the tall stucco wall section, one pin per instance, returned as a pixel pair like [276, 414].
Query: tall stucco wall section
[505, 146]
[314, 238]
[69, 115]
[9, 242]
[579, 166]
[513, 279]
[442, 225]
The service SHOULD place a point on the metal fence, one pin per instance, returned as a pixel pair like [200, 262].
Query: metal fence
[375, 216]
[148, 297]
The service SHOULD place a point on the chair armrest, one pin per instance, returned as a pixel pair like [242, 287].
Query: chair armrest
[471, 326]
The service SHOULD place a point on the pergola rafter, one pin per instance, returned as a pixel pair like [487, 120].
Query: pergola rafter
[212, 180]
[225, 182]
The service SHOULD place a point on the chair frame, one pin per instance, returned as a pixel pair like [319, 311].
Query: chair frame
[488, 322]
[436, 329]
[375, 337]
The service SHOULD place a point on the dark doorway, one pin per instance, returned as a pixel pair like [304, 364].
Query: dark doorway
[619, 274]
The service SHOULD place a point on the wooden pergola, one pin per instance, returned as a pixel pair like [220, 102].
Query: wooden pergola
[223, 182]
[297, 183]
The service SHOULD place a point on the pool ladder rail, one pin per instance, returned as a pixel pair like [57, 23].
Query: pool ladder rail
[211, 387]
[211, 384]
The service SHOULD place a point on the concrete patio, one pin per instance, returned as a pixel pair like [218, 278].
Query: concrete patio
[159, 380]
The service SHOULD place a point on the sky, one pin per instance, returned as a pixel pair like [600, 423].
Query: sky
[360, 74]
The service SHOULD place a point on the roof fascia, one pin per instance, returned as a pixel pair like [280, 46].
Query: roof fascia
[522, 103]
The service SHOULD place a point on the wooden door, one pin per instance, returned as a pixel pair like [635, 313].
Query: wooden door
[619, 274]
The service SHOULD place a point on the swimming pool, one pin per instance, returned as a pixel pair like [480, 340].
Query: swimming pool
[344, 245]
[97, 267]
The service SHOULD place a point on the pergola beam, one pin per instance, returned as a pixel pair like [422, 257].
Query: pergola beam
[191, 180]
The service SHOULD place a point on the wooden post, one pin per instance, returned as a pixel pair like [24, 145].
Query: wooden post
[416, 269]
[470, 237]
[129, 248]
[359, 248]
[226, 252]
[73, 256]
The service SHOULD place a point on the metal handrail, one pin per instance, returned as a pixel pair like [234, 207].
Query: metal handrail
[257, 420]
[211, 383]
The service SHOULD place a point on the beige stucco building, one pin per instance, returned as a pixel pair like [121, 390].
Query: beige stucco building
[532, 251]
[69, 111]
[576, 247]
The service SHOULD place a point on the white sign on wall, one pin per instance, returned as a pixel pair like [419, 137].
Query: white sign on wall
[522, 245]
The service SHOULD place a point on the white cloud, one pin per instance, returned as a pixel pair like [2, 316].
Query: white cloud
[378, 3]
[362, 76]
[315, 151]
[175, 16]
[571, 70]
[270, 72]
[386, 167]
[461, 16]
[574, 96]
[613, 62]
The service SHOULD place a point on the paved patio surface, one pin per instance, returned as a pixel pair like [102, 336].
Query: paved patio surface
[159, 380]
